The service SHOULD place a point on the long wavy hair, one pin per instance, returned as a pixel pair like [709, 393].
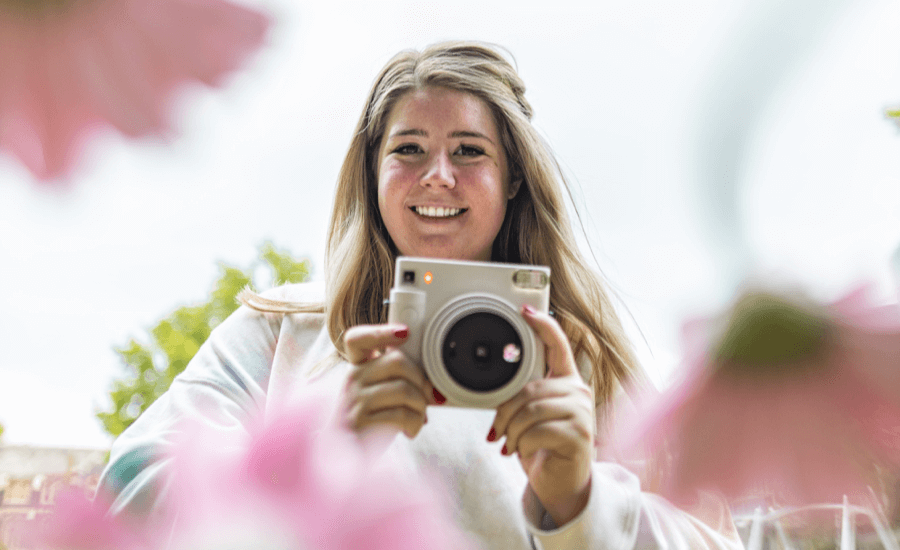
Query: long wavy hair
[360, 254]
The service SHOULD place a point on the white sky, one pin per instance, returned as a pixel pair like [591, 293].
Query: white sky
[623, 91]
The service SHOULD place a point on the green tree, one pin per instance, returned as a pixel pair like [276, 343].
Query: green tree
[150, 367]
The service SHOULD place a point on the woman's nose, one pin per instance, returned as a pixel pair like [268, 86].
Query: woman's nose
[439, 172]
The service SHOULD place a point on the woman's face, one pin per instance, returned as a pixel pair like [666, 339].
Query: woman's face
[442, 175]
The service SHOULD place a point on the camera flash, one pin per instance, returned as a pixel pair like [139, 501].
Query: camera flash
[428, 277]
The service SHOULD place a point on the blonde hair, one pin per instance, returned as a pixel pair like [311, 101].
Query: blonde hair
[360, 254]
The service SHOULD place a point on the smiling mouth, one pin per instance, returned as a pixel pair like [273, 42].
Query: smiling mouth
[437, 212]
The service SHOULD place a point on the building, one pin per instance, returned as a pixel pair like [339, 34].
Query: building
[30, 478]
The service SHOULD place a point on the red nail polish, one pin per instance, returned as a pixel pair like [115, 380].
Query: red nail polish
[401, 333]
[503, 451]
[492, 435]
[440, 399]
[528, 309]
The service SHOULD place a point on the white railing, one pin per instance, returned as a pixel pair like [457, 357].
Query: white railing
[848, 511]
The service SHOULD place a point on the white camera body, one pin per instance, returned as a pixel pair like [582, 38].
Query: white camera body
[466, 328]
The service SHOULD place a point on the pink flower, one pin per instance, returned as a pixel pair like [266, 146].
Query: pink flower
[794, 400]
[73, 67]
[295, 482]
[77, 523]
[300, 482]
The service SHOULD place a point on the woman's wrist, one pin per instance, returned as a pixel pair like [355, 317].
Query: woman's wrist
[564, 511]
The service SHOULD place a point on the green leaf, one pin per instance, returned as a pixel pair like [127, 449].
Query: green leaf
[174, 340]
[285, 268]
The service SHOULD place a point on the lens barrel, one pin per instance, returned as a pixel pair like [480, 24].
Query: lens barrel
[473, 351]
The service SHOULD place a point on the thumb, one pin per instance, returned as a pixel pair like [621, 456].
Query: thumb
[560, 358]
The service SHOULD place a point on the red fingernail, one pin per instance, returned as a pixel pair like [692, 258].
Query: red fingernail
[503, 451]
[492, 435]
[440, 399]
[528, 309]
[401, 333]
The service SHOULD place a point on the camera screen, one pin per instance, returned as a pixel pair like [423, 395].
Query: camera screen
[482, 352]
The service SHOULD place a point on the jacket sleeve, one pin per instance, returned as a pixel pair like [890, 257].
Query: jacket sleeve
[619, 516]
[223, 386]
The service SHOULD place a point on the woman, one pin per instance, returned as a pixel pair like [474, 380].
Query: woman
[444, 163]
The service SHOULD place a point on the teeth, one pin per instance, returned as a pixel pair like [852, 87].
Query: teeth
[437, 211]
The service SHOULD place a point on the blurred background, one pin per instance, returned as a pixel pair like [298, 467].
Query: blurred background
[707, 143]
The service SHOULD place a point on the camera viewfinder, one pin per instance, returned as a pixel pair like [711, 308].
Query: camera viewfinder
[528, 279]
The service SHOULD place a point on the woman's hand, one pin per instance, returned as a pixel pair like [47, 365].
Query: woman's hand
[550, 425]
[385, 388]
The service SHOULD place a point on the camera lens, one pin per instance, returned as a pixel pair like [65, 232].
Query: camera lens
[482, 351]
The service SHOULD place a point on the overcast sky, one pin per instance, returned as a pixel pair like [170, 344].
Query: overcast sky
[706, 141]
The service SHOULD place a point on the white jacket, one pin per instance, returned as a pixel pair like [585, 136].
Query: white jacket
[253, 362]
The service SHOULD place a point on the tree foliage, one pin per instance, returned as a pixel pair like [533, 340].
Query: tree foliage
[893, 114]
[150, 366]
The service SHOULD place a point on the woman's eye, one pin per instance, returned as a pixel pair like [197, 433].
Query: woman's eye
[470, 151]
[408, 149]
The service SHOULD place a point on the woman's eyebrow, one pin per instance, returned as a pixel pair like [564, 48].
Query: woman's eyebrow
[456, 134]
[409, 132]
[471, 134]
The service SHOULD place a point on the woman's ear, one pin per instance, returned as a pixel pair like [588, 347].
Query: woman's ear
[513, 188]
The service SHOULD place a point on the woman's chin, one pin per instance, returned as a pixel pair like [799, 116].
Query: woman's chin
[449, 253]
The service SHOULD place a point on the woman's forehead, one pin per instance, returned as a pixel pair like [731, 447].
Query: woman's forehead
[453, 112]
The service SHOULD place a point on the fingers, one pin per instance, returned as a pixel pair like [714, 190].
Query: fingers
[392, 365]
[529, 404]
[545, 401]
[405, 420]
[388, 394]
[532, 425]
[393, 403]
[364, 342]
[559, 353]
[532, 417]
[385, 389]
[388, 390]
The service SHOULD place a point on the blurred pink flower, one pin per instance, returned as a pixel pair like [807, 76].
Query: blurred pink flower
[296, 483]
[73, 67]
[77, 523]
[794, 400]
